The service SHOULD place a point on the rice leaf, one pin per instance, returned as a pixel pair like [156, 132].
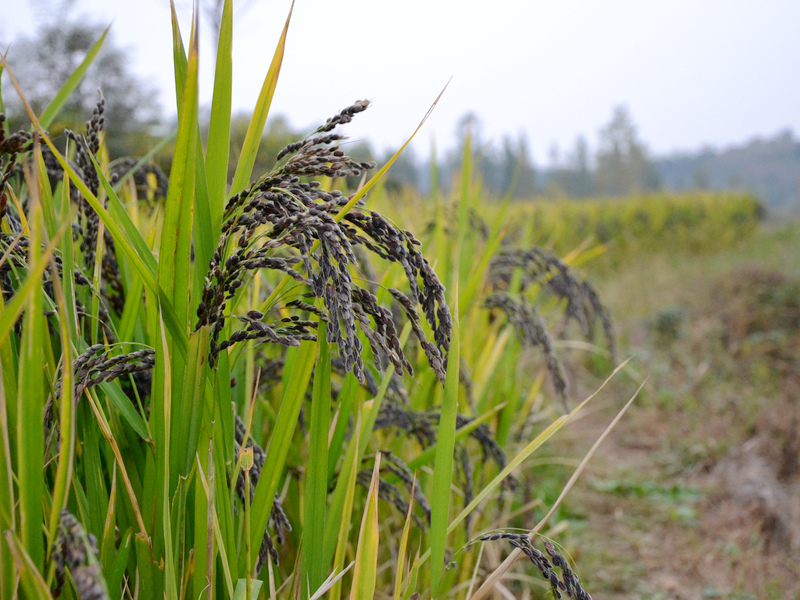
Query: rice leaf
[105, 429]
[7, 578]
[93, 476]
[355, 452]
[46, 193]
[443, 462]
[340, 426]
[29, 574]
[401, 549]
[486, 365]
[413, 575]
[30, 403]
[241, 592]
[204, 550]
[279, 443]
[72, 82]
[146, 567]
[122, 403]
[521, 456]
[130, 314]
[189, 411]
[247, 157]
[203, 231]
[316, 489]
[214, 529]
[65, 297]
[108, 550]
[161, 418]
[347, 513]
[219, 131]
[364, 574]
[428, 454]
[332, 580]
[114, 577]
[11, 311]
[478, 273]
[175, 246]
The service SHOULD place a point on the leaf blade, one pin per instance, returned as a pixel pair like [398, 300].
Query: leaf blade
[58, 101]
[247, 158]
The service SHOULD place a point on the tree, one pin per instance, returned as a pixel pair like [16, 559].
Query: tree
[212, 9]
[578, 162]
[516, 168]
[44, 61]
[573, 178]
[277, 134]
[498, 169]
[623, 166]
[404, 172]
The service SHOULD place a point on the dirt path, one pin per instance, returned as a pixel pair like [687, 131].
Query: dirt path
[697, 492]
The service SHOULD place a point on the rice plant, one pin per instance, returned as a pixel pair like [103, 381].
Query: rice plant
[255, 388]
[693, 221]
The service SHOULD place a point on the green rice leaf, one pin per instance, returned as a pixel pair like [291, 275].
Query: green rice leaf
[279, 443]
[57, 103]
[29, 574]
[123, 404]
[428, 454]
[30, 403]
[316, 489]
[346, 399]
[247, 158]
[7, 502]
[521, 456]
[189, 411]
[213, 528]
[443, 462]
[240, 593]
[114, 577]
[93, 475]
[66, 299]
[175, 247]
[12, 310]
[204, 551]
[364, 574]
[355, 452]
[219, 130]
[402, 548]
[204, 232]
[347, 514]
[147, 571]
[108, 549]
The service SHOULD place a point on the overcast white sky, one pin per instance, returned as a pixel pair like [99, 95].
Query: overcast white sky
[692, 72]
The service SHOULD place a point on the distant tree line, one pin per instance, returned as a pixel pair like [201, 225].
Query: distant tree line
[44, 60]
[766, 167]
[621, 164]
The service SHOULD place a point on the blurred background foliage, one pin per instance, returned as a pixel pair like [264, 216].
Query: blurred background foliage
[621, 165]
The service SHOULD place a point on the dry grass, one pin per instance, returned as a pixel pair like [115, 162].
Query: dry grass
[698, 496]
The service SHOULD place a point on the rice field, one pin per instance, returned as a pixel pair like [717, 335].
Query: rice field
[274, 386]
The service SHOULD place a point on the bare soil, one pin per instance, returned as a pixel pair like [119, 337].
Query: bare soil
[696, 494]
